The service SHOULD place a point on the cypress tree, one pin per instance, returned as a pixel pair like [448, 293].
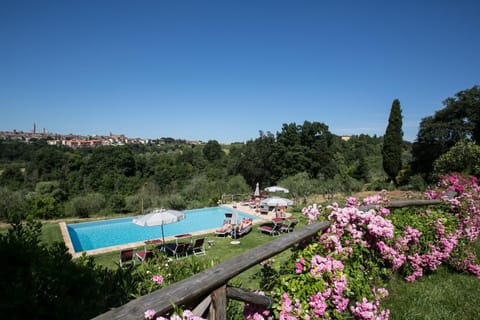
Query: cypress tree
[392, 142]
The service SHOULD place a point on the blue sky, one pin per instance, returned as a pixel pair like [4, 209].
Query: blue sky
[226, 70]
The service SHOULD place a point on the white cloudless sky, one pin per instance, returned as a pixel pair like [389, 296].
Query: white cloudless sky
[226, 70]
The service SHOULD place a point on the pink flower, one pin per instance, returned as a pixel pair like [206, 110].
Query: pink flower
[380, 227]
[317, 304]
[367, 310]
[384, 211]
[298, 268]
[149, 314]
[255, 312]
[157, 279]
[352, 202]
[475, 269]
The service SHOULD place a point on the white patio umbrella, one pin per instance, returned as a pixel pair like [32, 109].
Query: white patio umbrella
[159, 217]
[276, 189]
[276, 201]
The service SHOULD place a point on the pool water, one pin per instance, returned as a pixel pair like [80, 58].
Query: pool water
[107, 233]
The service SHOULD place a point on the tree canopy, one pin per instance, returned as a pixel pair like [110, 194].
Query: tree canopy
[458, 120]
[50, 181]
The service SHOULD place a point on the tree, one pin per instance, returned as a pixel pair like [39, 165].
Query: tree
[458, 120]
[12, 204]
[392, 143]
[304, 148]
[12, 177]
[361, 171]
[84, 206]
[464, 157]
[44, 207]
[213, 150]
[300, 185]
[256, 163]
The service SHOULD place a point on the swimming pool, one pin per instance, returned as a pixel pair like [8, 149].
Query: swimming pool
[114, 232]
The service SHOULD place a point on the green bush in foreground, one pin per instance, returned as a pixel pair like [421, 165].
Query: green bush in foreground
[43, 282]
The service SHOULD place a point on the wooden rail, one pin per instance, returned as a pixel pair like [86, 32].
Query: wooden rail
[199, 286]
[208, 289]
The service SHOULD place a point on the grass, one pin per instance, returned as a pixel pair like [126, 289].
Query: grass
[440, 295]
[51, 233]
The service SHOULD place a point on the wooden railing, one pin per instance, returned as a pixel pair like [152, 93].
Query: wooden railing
[209, 290]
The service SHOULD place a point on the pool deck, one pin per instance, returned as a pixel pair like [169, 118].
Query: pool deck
[141, 244]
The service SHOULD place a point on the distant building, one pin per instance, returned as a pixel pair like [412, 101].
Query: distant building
[79, 141]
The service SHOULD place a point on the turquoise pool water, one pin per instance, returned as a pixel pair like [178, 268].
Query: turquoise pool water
[107, 233]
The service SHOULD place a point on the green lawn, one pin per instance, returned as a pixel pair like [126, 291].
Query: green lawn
[441, 295]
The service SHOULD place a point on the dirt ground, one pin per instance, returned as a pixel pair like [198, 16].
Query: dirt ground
[391, 195]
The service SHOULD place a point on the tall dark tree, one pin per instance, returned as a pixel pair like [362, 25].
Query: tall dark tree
[392, 143]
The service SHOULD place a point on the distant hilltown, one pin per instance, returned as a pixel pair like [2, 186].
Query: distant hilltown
[79, 141]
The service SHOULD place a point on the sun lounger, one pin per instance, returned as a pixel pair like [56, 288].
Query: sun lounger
[288, 225]
[177, 249]
[243, 228]
[225, 230]
[272, 229]
[127, 255]
[198, 247]
[144, 255]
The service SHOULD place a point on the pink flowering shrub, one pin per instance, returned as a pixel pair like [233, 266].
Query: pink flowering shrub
[462, 195]
[341, 274]
[317, 289]
[371, 310]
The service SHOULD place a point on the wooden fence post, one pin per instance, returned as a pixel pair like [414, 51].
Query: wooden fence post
[218, 307]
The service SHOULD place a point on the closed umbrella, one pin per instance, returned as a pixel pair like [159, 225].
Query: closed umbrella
[257, 191]
[276, 189]
[159, 217]
[234, 224]
[276, 201]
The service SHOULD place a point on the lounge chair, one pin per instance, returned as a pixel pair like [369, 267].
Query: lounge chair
[228, 217]
[225, 230]
[244, 227]
[289, 226]
[198, 247]
[177, 249]
[248, 202]
[272, 229]
[144, 255]
[127, 255]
